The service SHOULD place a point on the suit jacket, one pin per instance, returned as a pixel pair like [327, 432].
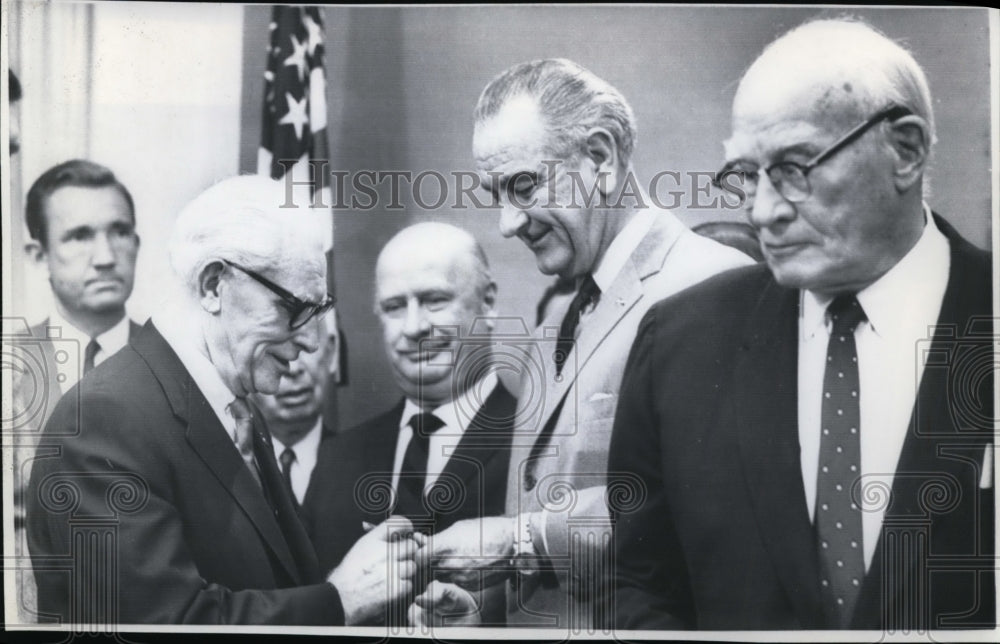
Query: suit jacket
[563, 431]
[353, 477]
[148, 504]
[35, 392]
[718, 534]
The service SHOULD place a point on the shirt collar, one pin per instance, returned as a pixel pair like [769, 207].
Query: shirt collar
[456, 414]
[306, 448]
[178, 335]
[621, 248]
[110, 341]
[889, 302]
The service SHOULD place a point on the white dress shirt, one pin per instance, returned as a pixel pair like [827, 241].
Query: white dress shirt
[900, 307]
[306, 451]
[111, 341]
[456, 416]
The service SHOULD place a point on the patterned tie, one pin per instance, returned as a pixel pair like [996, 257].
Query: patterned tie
[286, 459]
[89, 354]
[413, 473]
[240, 411]
[588, 292]
[838, 518]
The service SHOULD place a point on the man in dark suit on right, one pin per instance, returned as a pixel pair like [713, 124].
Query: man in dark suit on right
[811, 438]
[441, 453]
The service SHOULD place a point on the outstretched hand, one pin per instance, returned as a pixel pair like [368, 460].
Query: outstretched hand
[472, 553]
[444, 604]
[378, 570]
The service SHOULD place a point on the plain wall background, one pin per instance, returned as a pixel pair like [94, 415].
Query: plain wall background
[403, 83]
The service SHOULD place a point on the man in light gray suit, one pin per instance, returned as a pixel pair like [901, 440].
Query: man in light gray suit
[553, 143]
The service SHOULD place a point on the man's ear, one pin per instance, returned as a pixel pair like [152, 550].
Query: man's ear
[910, 139]
[489, 306]
[35, 251]
[602, 151]
[210, 287]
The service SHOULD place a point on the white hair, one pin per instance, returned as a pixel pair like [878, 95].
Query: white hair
[241, 220]
[862, 68]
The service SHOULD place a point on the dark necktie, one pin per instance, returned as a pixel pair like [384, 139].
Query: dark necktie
[240, 411]
[286, 459]
[89, 354]
[413, 473]
[838, 518]
[587, 293]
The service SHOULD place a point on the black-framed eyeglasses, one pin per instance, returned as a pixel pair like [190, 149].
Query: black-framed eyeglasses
[300, 311]
[791, 179]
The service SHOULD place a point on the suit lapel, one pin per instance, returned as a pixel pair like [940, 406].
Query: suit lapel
[480, 443]
[378, 461]
[284, 506]
[766, 412]
[936, 454]
[625, 291]
[210, 440]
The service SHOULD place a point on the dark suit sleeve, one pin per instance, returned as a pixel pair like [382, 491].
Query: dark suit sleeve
[650, 585]
[104, 510]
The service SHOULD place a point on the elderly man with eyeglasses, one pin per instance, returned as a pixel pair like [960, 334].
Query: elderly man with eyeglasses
[810, 438]
[157, 499]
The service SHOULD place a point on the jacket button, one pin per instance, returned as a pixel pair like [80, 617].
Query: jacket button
[529, 482]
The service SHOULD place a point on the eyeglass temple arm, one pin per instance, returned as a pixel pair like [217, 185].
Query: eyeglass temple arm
[891, 113]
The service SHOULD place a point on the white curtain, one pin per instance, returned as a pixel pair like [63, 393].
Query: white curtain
[50, 49]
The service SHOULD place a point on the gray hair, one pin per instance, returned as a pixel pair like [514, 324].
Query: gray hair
[240, 220]
[571, 98]
[867, 69]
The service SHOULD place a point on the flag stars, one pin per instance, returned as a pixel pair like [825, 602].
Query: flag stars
[296, 116]
[315, 33]
[298, 58]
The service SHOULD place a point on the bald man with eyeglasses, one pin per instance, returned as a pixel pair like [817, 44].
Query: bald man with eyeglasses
[811, 436]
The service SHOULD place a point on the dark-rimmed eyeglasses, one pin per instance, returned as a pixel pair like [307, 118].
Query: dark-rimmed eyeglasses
[299, 311]
[790, 179]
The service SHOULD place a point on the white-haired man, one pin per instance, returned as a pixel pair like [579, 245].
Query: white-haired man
[163, 502]
[811, 434]
[554, 144]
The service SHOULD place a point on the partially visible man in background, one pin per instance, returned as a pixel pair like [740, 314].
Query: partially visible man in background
[294, 414]
[13, 118]
[81, 222]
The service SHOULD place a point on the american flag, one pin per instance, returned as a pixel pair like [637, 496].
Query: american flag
[293, 135]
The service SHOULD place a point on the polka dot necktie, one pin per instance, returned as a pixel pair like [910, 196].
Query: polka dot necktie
[413, 473]
[838, 517]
